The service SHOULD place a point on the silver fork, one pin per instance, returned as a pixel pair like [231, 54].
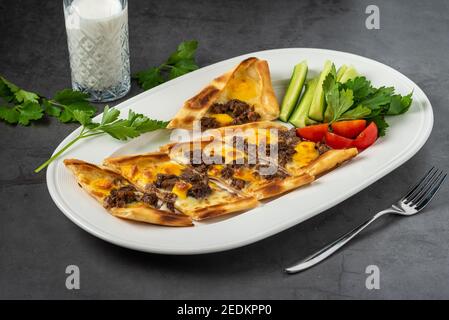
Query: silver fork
[413, 202]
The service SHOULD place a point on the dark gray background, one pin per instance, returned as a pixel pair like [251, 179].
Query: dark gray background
[37, 241]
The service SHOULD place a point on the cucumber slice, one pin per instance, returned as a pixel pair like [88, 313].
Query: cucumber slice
[316, 111]
[349, 74]
[341, 71]
[294, 90]
[300, 117]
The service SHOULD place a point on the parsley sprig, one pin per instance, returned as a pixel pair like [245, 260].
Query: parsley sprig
[358, 99]
[180, 62]
[123, 129]
[23, 107]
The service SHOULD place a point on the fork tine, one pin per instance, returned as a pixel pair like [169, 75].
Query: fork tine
[426, 187]
[429, 196]
[413, 189]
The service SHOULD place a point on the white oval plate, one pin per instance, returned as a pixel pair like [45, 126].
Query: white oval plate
[406, 135]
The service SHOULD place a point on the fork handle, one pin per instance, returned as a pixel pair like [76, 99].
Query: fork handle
[329, 249]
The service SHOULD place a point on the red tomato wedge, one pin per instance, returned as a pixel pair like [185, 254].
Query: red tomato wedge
[367, 137]
[337, 142]
[348, 129]
[313, 133]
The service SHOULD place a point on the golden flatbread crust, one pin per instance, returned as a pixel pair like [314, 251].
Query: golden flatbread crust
[220, 202]
[328, 161]
[256, 90]
[278, 186]
[86, 175]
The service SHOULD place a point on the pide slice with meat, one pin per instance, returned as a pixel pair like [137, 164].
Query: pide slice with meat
[279, 144]
[122, 199]
[244, 94]
[275, 143]
[191, 193]
[235, 168]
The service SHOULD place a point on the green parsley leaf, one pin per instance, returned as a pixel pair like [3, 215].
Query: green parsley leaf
[338, 101]
[10, 115]
[120, 130]
[51, 109]
[381, 124]
[26, 96]
[109, 115]
[144, 124]
[182, 67]
[69, 96]
[150, 78]
[380, 98]
[358, 112]
[400, 104]
[67, 114]
[5, 91]
[82, 117]
[180, 62]
[360, 86]
[186, 51]
[68, 101]
[29, 111]
[19, 95]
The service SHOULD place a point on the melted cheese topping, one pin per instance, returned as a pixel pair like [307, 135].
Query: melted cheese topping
[215, 170]
[228, 152]
[222, 118]
[145, 172]
[102, 183]
[305, 153]
[181, 188]
[245, 174]
[244, 89]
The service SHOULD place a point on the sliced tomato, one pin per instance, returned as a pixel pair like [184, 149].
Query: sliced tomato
[367, 137]
[349, 128]
[313, 133]
[337, 142]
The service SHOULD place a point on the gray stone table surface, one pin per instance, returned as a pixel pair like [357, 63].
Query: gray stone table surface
[37, 241]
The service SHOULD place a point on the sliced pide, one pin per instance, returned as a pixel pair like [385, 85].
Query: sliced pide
[273, 142]
[281, 145]
[192, 193]
[121, 198]
[244, 94]
[235, 168]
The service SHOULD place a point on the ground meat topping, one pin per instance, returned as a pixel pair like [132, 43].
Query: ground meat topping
[209, 123]
[240, 111]
[166, 181]
[287, 141]
[199, 190]
[238, 183]
[118, 198]
[227, 172]
[321, 147]
[150, 199]
[200, 184]
[169, 201]
[193, 177]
